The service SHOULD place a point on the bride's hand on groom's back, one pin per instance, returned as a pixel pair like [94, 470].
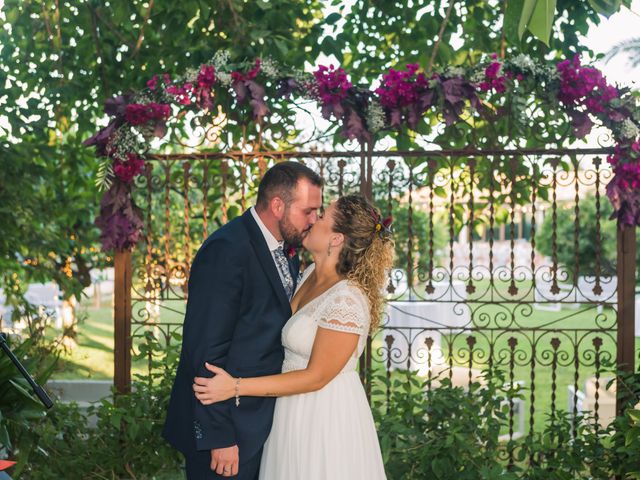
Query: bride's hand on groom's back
[218, 388]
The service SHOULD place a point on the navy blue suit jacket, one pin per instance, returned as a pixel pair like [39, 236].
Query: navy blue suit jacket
[236, 309]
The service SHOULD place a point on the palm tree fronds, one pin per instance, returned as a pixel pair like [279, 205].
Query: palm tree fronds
[629, 47]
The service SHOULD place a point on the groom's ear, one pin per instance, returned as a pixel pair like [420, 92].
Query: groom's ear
[277, 207]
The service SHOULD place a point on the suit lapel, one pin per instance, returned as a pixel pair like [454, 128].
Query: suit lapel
[266, 259]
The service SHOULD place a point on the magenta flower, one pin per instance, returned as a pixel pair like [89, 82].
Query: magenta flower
[204, 84]
[406, 93]
[127, 171]
[584, 86]
[182, 94]
[139, 114]
[332, 87]
[206, 77]
[250, 75]
[492, 78]
[401, 88]
[153, 82]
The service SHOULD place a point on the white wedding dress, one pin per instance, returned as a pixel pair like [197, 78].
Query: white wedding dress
[328, 434]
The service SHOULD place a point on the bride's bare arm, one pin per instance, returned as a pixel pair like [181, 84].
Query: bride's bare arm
[331, 352]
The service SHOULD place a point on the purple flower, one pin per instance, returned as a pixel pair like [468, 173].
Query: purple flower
[287, 87]
[115, 107]
[120, 221]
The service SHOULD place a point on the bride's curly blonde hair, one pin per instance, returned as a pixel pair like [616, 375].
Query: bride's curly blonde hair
[367, 253]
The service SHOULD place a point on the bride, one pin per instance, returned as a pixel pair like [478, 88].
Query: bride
[322, 426]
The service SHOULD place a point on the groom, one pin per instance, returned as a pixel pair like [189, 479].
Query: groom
[241, 282]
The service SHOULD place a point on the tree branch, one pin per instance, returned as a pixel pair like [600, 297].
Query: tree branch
[443, 25]
[136, 50]
[503, 39]
[94, 25]
[111, 28]
[236, 20]
[47, 24]
[59, 37]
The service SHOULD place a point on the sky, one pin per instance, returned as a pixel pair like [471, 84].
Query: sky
[621, 26]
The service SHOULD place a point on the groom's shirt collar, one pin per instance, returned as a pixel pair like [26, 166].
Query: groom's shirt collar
[272, 242]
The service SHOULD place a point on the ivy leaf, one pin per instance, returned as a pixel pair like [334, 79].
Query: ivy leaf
[333, 18]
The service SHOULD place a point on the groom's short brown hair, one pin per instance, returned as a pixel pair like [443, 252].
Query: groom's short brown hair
[282, 179]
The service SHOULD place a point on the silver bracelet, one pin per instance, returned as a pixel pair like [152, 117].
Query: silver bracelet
[238, 391]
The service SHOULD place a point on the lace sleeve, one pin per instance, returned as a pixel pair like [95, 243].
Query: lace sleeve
[345, 310]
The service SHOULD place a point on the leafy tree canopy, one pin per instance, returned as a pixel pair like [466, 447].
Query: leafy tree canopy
[59, 60]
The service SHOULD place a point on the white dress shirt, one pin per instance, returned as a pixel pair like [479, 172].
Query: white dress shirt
[272, 243]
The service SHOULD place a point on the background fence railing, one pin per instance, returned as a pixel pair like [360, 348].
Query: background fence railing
[504, 258]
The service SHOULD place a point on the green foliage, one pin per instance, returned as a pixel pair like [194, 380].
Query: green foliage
[20, 409]
[126, 440]
[59, 61]
[442, 433]
[558, 455]
[48, 231]
[447, 433]
[537, 17]
[624, 440]
[396, 29]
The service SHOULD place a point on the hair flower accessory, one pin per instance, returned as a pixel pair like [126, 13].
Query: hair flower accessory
[291, 251]
[383, 227]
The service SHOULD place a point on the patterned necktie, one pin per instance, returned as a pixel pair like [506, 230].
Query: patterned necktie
[283, 267]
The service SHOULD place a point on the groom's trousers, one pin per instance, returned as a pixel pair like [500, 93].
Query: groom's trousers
[198, 467]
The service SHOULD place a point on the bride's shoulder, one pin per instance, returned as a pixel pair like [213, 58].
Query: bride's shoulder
[353, 291]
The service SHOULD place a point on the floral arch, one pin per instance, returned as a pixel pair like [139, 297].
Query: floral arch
[511, 103]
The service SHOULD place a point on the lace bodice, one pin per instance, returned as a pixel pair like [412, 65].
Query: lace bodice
[343, 308]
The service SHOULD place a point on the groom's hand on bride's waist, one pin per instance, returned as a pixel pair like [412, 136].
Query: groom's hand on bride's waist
[224, 461]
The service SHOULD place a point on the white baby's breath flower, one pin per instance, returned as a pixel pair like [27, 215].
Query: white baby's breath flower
[270, 68]
[220, 60]
[455, 72]
[551, 72]
[477, 76]
[141, 97]
[375, 117]
[123, 141]
[524, 62]
[224, 78]
[628, 129]
[191, 75]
